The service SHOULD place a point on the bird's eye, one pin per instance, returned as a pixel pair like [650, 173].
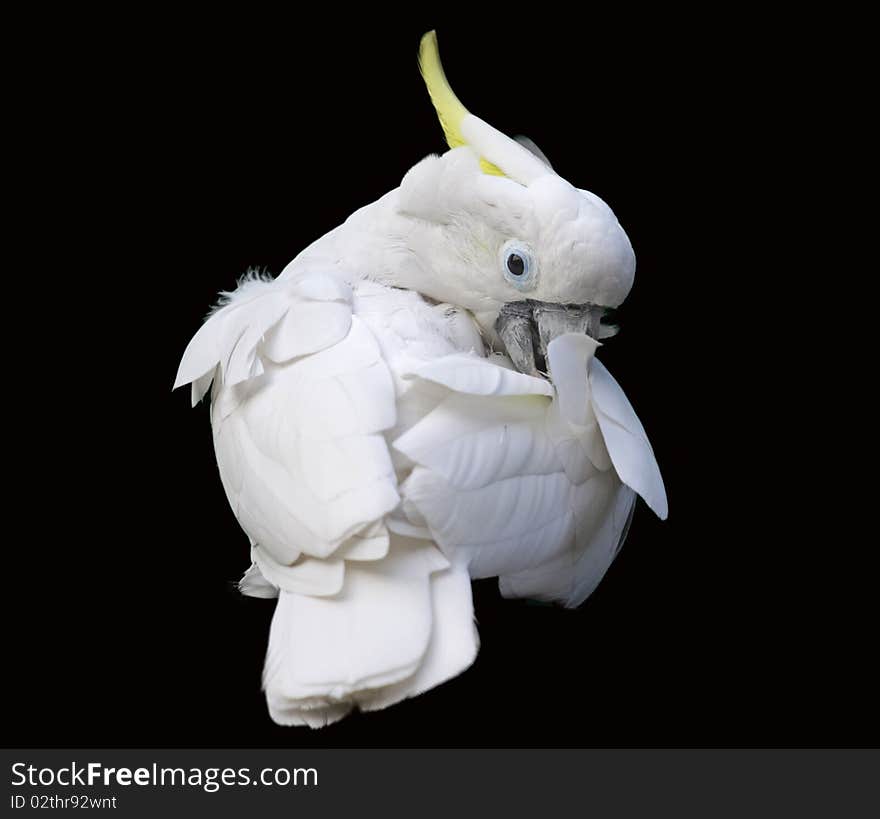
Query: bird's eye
[517, 265]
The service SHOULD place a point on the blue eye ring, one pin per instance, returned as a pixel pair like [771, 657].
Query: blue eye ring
[518, 265]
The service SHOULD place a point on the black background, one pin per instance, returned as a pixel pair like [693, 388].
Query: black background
[181, 154]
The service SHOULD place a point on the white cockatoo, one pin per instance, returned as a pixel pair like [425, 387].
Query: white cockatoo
[414, 402]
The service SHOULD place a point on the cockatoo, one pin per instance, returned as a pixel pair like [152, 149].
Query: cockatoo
[414, 402]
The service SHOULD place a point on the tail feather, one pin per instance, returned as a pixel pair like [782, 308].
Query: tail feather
[453, 647]
[399, 626]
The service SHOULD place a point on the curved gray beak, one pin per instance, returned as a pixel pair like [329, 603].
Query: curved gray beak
[527, 327]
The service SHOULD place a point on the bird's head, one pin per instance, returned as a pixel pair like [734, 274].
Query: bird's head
[503, 235]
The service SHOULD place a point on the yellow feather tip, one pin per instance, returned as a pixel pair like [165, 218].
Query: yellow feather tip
[450, 111]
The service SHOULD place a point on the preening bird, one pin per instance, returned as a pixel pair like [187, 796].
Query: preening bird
[414, 402]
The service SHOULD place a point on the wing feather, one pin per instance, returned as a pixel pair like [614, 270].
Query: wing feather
[514, 482]
[625, 438]
[302, 402]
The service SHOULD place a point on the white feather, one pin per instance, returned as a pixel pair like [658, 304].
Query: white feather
[314, 326]
[373, 634]
[473, 440]
[477, 376]
[306, 575]
[307, 469]
[521, 486]
[369, 546]
[627, 443]
[253, 584]
[452, 647]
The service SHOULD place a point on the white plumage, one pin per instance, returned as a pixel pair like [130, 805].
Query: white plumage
[379, 454]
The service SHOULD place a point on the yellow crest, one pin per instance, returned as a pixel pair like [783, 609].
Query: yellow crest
[449, 110]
